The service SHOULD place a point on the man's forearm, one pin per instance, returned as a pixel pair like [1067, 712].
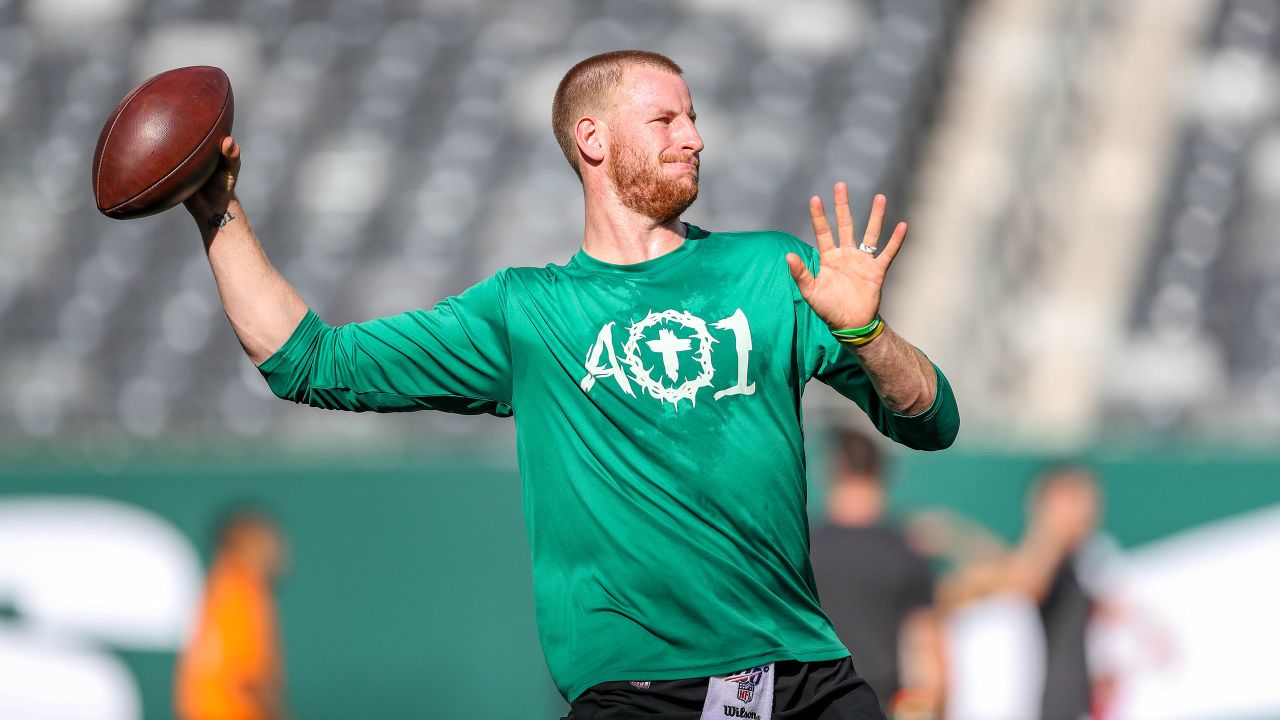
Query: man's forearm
[262, 307]
[902, 376]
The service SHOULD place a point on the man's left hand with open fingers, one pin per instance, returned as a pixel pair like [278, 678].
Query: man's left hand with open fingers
[845, 293]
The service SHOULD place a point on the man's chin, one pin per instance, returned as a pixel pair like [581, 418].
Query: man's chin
[659, 196]
[687, 183]
[678, 207]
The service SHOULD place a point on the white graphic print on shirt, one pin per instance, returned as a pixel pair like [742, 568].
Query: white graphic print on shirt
[657, 334]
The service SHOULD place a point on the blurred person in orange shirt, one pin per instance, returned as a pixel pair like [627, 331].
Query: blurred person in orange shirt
[876, 589]
[232, 669]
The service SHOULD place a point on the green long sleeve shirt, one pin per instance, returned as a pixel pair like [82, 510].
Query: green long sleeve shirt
[660, 442]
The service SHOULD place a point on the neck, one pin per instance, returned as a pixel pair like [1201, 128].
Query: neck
[244, 564]
[616, 234]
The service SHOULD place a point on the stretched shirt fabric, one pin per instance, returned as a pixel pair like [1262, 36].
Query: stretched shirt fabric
[660, 442]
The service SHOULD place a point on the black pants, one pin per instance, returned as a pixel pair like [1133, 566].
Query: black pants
[829, 690]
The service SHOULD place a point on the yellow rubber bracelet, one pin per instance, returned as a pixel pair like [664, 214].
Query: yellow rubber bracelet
[863, 340]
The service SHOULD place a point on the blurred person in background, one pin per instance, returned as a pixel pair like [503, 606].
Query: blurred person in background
[233, 668]
[662, 462]
[875, 588]
[1065, 508]
[1040, 596]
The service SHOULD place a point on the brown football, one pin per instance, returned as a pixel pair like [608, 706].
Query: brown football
[162, 142]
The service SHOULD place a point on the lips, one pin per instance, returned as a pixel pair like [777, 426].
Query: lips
[692, 161]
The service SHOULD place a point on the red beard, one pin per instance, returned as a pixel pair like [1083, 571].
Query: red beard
[643, 188]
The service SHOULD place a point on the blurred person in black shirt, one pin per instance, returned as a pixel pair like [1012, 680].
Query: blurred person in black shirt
[877, 591]
[1058, 568]
[1065, 507]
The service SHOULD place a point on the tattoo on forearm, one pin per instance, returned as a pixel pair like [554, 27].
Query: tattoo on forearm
[221, 219]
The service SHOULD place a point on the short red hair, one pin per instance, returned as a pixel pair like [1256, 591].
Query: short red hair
[588, 88]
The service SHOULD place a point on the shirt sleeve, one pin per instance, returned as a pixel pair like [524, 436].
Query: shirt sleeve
[827, 360]
[455, 357]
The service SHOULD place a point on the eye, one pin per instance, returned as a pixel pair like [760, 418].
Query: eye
[665, 120]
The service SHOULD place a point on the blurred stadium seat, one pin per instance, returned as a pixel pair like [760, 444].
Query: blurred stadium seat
[1203, 331]
[395, 152]
[398, 151]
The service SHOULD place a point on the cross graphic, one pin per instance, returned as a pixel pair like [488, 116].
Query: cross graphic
[668, 344]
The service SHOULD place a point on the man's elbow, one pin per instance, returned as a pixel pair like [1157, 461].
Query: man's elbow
[289, 386]
[930, 444]
[946, 432]
[947, 440]
[938, 434]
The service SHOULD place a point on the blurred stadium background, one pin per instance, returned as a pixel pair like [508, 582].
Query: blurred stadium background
[1093, 188]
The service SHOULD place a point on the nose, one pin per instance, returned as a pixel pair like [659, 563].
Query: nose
[692, 139]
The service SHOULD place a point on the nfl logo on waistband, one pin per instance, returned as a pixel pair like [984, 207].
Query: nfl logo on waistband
[641, 684]
[747, 682]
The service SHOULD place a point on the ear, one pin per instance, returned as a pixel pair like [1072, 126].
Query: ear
[592, 137]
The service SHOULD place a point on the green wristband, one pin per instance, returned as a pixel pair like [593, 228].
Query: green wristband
[863, 331]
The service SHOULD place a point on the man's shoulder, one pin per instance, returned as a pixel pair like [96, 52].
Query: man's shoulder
[528, 280]
[762, 241]
[526, 274]
[754, 236]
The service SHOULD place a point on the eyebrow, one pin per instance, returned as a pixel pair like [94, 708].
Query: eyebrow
[693, 114]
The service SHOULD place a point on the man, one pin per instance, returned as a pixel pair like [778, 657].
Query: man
[877, 591]
[1065, 509]
[656, 378]
[232, 669]
[1046, 591]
